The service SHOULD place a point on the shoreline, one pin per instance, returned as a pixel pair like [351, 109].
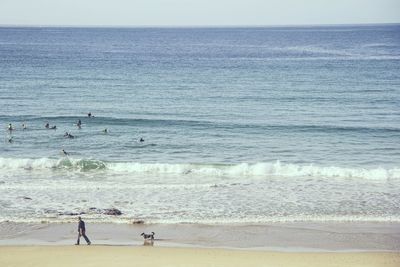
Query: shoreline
[279, 237]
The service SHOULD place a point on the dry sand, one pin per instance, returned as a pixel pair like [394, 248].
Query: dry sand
[115, 256]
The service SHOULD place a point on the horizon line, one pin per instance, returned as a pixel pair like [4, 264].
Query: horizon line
[194, 26]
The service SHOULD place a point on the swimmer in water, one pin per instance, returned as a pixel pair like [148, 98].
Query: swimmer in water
[68, 135]
[89, 114]
[105, 130]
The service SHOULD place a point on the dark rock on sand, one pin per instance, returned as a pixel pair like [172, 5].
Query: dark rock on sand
[113, 211]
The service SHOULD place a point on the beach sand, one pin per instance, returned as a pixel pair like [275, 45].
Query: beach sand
[289, 244]
[161, 256]
[280, 237]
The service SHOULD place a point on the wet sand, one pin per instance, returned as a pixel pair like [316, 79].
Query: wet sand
[279, 244]
[282, 237]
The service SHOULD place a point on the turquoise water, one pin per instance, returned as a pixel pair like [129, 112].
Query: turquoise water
[240, 124]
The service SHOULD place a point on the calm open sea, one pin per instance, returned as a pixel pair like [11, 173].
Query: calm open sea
[240, 125]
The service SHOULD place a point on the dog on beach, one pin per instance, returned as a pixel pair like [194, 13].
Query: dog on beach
[148, 236]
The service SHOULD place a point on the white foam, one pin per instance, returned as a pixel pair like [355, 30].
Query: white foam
[257, 169]
[98, 218]
[261, 169]
[27, 164]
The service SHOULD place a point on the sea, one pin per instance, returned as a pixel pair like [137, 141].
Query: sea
[239, 125]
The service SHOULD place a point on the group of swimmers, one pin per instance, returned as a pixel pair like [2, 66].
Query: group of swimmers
[10, 128]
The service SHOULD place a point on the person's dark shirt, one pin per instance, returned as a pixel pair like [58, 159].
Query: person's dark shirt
[81, 226]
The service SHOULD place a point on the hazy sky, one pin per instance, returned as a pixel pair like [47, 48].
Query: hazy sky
[197, 12]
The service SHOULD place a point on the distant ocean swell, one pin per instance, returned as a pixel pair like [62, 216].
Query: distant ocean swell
[37, 123]
[260, 169]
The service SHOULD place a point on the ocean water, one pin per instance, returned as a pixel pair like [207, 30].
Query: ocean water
[240, 125]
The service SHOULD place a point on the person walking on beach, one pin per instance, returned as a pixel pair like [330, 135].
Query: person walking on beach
[81, 232]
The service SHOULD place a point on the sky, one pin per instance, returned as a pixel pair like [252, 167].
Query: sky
[197, 12]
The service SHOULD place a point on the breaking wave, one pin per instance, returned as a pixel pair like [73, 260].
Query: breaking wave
[275, 168]
[51, 164]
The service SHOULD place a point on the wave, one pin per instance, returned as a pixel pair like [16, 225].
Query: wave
[378, 52]
[261, 169]
[36, 122]
[254, 220]
[380, 45]
[103, 121]
[51, 164]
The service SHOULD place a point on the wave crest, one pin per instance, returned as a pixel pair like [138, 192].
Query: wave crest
[261, 169]
[49, 164]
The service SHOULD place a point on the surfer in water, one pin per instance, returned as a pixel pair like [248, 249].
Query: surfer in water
[47, 126]
[68, 135]
[105, 130]
[89, 114]
[65, 152]
[10, 127]
[79, 124]
[141, 140]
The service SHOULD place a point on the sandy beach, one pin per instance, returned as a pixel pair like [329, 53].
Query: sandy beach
[156, 256]
[290, 244]
[280, 237]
